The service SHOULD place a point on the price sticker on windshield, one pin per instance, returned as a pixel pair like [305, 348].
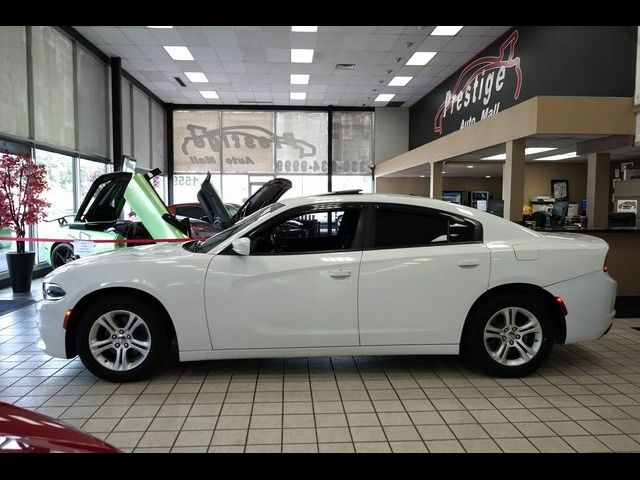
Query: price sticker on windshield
[83, 248]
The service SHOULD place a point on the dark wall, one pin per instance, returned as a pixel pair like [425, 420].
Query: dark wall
[554, 60]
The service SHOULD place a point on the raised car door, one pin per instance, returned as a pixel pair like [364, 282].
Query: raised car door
[297, 287]
[420, 273]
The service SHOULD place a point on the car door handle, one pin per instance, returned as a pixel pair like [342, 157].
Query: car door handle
[472, 262]
[341, 273]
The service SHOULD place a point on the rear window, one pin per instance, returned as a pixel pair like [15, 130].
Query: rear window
[399, 227]
[191, 212]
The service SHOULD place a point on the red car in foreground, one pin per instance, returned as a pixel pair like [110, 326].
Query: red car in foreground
[24, 431]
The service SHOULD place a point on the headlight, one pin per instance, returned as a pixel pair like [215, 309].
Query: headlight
[52, 291]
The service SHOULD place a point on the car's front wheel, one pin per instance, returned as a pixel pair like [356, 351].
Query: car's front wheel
[123, 339]
[509, 336]
[62, 254]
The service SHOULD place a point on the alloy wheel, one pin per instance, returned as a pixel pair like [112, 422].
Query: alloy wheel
[119, 340]
[513, 336]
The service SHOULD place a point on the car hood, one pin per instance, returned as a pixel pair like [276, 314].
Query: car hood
[22, 430]
[218, 214]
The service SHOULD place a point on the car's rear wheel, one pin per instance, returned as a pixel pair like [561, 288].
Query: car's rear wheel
[62, 254]
[510, 335]
[123, 339]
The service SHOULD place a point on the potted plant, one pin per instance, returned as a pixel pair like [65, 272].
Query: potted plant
[22, 183]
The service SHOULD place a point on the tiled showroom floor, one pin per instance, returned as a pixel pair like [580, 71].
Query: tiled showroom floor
[585, 399]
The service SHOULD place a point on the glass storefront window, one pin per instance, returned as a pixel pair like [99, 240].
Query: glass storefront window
[60, 193]
[186, 186]
[303, 142]
[352, 182]
[235, 188]
[89, 171]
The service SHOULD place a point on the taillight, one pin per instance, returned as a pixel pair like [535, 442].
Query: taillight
[561, 304]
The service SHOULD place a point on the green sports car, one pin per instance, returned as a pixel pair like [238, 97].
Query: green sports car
[98, 218]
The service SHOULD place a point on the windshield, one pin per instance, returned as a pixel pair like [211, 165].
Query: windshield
[217, 239]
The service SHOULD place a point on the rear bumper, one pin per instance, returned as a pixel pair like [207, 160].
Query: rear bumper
[590, 301]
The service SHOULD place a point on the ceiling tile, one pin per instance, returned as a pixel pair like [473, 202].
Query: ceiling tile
[168, 36]
[194, 36]
[221, 37]
[112, 35]
[139, 36]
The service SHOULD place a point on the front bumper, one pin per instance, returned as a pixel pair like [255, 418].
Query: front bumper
[52, 334]
[590, 301]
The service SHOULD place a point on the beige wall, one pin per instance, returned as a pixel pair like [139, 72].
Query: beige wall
[491, 185]
[538, 176]
[537, 181]
[406, 185]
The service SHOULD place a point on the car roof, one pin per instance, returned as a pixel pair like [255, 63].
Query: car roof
[495, 227]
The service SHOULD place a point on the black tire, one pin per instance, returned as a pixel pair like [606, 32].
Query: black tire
[62, 254]
[477, 353]
[157, 331]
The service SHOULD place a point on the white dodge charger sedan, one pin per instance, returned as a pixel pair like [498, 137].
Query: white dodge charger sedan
[336, 274]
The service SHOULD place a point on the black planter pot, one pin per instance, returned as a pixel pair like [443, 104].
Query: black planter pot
[20, 270]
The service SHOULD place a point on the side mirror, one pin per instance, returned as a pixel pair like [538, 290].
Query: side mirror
[242, 246]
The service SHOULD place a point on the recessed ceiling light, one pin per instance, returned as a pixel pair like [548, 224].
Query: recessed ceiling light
[384, 97]
[298, 95]
[527, 151]
[469, 166]
[209, 94]
[534, 150]
[422, 176]
[487, 176]
[157, 27]
[421, 58]
[299, 79]
[196, 77]
[301, 55]
[560, 156]
[178, 53]
[399, 81]
[446, 30]
[304, 29]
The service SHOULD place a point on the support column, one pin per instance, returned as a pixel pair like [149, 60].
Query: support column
[598, 190]
[513, 180]
[435, 180]
[116, 112]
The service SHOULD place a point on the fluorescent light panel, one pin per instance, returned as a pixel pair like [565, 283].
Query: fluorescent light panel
[297, 79]
[209, 94]
[196, 77]
[446, 30]
[527, 151]
[421, 58]
[301, 55]
[560, 156]
[157, 27]
[298, 95]
[178, 53]
[384, 97]
[304, 29]
[399, 81]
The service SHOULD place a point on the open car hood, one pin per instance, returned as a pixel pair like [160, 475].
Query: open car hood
[105, 199]
[217, 213]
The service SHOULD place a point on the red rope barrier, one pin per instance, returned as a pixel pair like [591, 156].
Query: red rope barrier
[124, 240]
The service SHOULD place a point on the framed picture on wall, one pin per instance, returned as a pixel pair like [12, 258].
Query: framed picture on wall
[560, 190]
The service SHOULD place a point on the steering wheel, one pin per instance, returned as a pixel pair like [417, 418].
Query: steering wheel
[275, 243]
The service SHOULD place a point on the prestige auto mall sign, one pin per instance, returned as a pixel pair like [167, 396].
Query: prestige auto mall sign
[240, 143]
[479, 88]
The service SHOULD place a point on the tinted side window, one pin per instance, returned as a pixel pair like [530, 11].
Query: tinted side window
[314, 231]
[407, 227]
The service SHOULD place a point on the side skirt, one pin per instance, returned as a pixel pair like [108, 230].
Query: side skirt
[189, 356]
